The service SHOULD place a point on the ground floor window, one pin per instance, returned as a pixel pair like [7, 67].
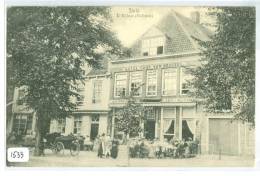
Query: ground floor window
[94, 127]
[22, 124]
[188, 129]
[168, 128]
[77, 125]
[61, 125]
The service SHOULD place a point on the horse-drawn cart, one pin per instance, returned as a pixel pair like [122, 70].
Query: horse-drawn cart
[58, 143]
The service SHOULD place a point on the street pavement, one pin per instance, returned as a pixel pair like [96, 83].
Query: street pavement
[90, 159]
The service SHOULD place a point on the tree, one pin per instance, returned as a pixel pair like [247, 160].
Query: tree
[47, 48]
[129, 118]
[227, 72]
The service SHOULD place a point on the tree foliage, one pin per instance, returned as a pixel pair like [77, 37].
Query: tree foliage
[47, 49]
[226, 78]
[129, 118]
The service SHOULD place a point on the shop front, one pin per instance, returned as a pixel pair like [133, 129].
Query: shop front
[166, 120]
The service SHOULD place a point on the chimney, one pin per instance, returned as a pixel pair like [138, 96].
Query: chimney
[195, 17]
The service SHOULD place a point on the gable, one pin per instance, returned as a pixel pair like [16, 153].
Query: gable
[153, 32]
[179, 32]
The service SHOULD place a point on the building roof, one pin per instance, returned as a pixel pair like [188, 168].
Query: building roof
[101, 70]
[181, 34]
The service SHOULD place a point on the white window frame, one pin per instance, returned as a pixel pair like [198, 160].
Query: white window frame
[169, 134]
[156, 82]
[115, 85]
[21, 122]
[97, 91]
[163, 82]
[141, 80]
[77, 119]
[182, 80]
[152, 44]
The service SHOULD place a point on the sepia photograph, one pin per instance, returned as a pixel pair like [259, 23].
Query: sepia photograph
[130, 86]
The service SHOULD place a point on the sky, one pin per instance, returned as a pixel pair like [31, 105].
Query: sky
[129, 23]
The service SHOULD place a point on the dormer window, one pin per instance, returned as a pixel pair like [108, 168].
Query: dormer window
[153, 46]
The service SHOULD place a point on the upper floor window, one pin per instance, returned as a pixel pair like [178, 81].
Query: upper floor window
[169, 81]
[77, 125]
[120, 84]
[97, 90]
[153, 46]
[151, 83]
[185, 78]
[80, 98]
[135, 83]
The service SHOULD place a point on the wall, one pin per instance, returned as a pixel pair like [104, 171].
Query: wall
[88, 94]
[154, 63]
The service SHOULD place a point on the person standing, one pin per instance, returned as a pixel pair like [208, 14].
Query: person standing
[101, 146]
[108, 146]
[114, 149]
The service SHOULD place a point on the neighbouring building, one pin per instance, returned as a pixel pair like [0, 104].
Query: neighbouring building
[160, 64]
[23, 119]
[92, 117]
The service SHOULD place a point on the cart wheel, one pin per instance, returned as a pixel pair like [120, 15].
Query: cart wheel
[60, 148]
[53, 148]
[74, 148]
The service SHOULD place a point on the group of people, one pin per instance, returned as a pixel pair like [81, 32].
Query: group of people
[107, 147]
[174, 148]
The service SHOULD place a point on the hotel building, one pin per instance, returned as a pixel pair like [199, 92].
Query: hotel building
[160, 65]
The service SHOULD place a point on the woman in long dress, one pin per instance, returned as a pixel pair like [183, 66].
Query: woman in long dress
[101, 147]
[108, 146]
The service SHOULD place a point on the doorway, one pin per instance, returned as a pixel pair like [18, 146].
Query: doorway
[94, 127]
[149, 129]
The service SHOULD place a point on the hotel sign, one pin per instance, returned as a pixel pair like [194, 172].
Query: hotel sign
[177, 100]
[151, 67]
[122, 102]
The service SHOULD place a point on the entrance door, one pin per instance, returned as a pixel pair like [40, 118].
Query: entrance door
[149, 129]
[94, 131]
[94, 127]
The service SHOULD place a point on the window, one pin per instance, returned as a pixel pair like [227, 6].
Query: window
[78, 87]
[22, 124]
[135, 83]
[169, 116]
[97, 90]
[153, 46]
[80, 100]
[169, 81]
[77, 125]
[120, 84]
[94, 127]
[159, 50]
[145, 53]
[168, 128]
[185, 78]
[21, 94]
[149, 113]
[151, 83]
[188, 129]
[61, 125]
